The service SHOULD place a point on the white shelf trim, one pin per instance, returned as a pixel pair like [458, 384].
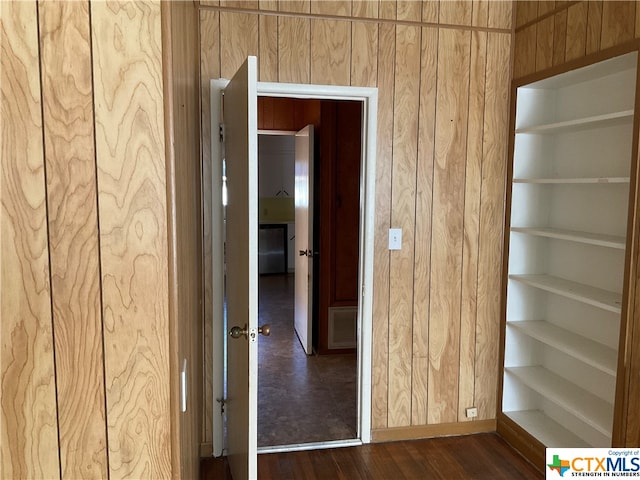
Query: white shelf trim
[611, 241]
[607, 119]
[575, 180]
[604, 299]
[576, 401]
[587, 351]
[546, 430]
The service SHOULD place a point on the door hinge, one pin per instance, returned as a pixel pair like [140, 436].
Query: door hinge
[222, 403]
[221, 131]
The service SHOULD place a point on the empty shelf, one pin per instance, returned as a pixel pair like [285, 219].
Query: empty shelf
[546, 430]
[576, 401]
[581, 348]
[611, 241]
[597, 297]
[595, 121]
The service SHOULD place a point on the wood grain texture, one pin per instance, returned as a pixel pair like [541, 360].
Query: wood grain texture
[384, 155]
[364, 54]
[447, 223]
[409, 10]
[495, 137]
[594, 26]
[576, 30]
[430, 11]
[500, 14]
[133, 235]
[268, 57]
[403, 187]
[480, 13]
[364, 9]
[238, 40]
[618, 23]
[29, 440]
[73, 235]
[387, 9]
[209, 68]
[526, 11]
[181, 61]
[524, 61]
[296, 6]
[559, 37]
[455, 12]
[424, 198]
[341, 8]
[544, 44]
[330, 52]
[471, 231]
[545, 6]
[294, 37]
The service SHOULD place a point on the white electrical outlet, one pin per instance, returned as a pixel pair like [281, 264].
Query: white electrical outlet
[471, 412]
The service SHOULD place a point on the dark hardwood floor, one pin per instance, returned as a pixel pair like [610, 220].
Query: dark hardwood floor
[480, 456]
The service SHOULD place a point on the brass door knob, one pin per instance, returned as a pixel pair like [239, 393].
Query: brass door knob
[237, 332]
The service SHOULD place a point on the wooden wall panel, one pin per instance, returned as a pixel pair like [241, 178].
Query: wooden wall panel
[238, 40]
[526, 11]
[403, 186]
[73, 235]
[559, 37]
[594, 26]
[294, 37]
[455, 12]
[381, 280]
[268, 57]
[209, 68]
[133, 235]
[424, 198]
[495, 140]
[341, 8]
[447, 223]
[29, 440]
[500, 14]
[416, 323]
[330, 52]
[576, 30]
[618, 23]
[181, 63]
[472, 201]
[364, 54]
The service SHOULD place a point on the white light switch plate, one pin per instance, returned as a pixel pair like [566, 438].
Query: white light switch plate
[395, 238]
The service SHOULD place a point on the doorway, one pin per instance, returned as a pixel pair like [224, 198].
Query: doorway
[312, 397]
[368, 97]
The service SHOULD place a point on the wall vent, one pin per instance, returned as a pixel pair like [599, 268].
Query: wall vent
[343, 327]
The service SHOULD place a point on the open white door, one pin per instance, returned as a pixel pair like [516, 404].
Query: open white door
[304, 237]
[241, 150]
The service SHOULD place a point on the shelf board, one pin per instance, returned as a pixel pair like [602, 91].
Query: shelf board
[581, 348]
[585, 123]
[575, 180]
[576, 401]
[611, 241]
[546, 430]
[597, 297]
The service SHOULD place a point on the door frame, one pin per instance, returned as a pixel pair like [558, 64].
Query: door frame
[368, 96]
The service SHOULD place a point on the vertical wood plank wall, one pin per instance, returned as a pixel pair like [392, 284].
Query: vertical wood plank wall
[548, 36]
[442, 70]
[29, 415]
[101, 290]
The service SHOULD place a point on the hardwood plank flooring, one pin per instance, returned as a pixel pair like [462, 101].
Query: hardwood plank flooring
[477, 457]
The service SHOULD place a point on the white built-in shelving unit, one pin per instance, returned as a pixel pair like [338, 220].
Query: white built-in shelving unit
[567, 241]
